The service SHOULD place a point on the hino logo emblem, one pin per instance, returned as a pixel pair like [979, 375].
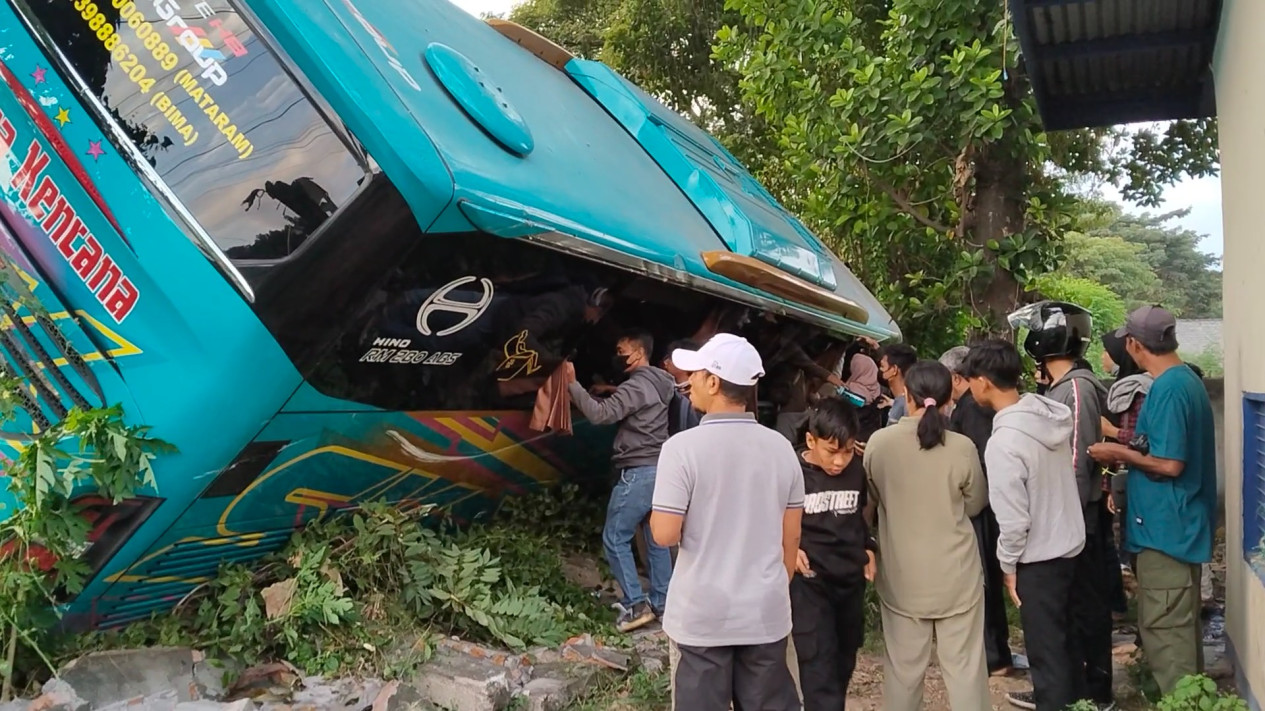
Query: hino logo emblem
[438, 302]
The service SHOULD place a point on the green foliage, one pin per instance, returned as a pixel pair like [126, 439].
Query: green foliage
[365, 591]
[1145, 260]
[1112, 262]
[1210, 361]
[91, 451]
[562, 513]
[1191, 278]
[1199, 693]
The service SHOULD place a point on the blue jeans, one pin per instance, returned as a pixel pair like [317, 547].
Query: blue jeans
[628, 508]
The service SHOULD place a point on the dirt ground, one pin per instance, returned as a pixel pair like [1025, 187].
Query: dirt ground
[865, 691]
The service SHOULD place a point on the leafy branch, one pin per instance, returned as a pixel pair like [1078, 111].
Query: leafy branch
[41, 540]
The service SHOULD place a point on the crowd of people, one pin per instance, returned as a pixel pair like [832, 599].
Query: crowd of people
[938, 481]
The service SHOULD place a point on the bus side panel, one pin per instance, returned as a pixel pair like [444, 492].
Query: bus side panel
[201, 369]
[306, 466]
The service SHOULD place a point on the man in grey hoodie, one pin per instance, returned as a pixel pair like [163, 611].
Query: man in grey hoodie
[640, 405]
[1035, 500]
[1058, 334]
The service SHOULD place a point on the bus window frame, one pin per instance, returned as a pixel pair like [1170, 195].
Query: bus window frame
[158, 187]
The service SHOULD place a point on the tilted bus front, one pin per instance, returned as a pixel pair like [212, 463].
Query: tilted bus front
[330, 250]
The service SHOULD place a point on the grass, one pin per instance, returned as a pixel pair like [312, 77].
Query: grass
[639, 691]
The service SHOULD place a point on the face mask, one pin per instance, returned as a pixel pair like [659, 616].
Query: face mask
[619, 363]
[683, 388]
[1114, 371]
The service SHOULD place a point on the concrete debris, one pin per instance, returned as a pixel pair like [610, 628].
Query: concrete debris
[162, 701]
[107, 678]
[58, 696]
[651, 646]
[585, 649]
[269, 682]
[459, 677]
[556, 685]
[463, 683]
[242, 705]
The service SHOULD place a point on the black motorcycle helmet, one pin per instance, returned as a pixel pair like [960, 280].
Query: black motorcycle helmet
[1056, 329]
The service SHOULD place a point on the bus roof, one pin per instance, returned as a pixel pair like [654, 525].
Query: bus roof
[477, 131]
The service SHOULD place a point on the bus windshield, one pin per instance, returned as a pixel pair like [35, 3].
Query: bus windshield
[200, 104]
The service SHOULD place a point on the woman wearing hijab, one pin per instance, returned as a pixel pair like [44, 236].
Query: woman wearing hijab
[927, 483]
[863, 382]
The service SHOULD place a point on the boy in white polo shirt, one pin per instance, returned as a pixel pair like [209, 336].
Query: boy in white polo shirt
[731, 494]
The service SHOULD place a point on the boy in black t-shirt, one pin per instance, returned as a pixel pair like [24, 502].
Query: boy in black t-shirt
[836, 557]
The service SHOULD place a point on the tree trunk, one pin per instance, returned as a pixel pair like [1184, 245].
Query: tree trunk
[995, 212]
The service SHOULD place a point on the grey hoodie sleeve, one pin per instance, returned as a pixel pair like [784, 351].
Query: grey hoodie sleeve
[631, 395]
[1085, 402]
[1008, 495]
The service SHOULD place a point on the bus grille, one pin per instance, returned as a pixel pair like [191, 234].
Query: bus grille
[34, 351]
[159, 583]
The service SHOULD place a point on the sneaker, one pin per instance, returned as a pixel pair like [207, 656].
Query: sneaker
[639, 616]
[1023, 699]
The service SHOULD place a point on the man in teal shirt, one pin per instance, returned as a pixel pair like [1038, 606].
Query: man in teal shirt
[1172, 490]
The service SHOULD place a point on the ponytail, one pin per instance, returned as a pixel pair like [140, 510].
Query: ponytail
[929, 384]
[931, 428]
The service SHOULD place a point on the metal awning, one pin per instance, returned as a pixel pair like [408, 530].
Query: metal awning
[1104, 62]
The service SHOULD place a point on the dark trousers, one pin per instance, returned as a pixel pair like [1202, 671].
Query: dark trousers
[751, 678]
[1045, 589]
[1115, 578]
[829, 629]
[1092, 602]
[996, 627]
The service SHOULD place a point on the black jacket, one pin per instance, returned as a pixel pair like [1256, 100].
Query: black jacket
[681, 413]
[975, 421]
[834, 535]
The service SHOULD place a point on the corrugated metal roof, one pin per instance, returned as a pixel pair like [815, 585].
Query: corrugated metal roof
[1103, 62]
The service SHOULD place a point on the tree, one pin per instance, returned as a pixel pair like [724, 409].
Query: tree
[1113, 262]
[1191, 279]
[919, 151]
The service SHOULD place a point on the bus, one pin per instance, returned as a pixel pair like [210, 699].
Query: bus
[330, 250]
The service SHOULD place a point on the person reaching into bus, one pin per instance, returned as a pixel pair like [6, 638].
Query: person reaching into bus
[836, 557]
[640, 407]
[791, 372]
[895, 361]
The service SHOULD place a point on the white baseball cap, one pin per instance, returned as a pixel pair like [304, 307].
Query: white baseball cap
[730, 358]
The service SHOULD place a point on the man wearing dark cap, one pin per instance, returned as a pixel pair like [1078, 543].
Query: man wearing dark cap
[1172, 493]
